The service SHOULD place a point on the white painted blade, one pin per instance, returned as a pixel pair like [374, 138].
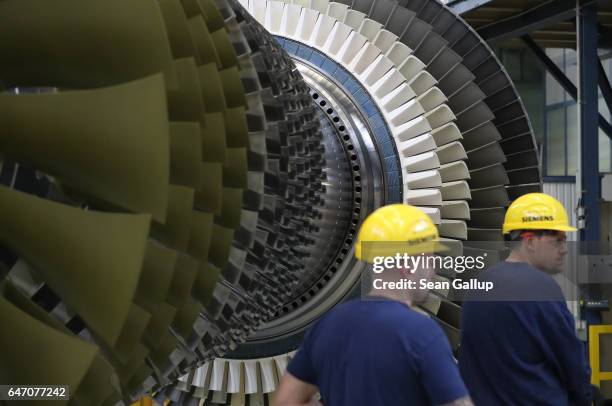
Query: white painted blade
[446, 134]
[432, 212]
[354, 19]
[454, 171]
[269, 378]
[387, 84]
[400, 95]
[370, 29]
[351, 47]
[337, 39]
[455, 209]
[423, 162]
[400, 53]
[456, 190]
[451, 152]
[322, 30]
[377, 70]
[421, 82]
[406, 112]
[217, 379]
[257, 8]
[432, 98]
[417, 145]
[412, 129]
[337, 11]
[440, 116]
[291, 18]
[423, 197]
[201, 376]
[453, 229]
[384, 41]
[421, 180]
[274, 16]
[366, 56]
[306, 25]
[319, 5]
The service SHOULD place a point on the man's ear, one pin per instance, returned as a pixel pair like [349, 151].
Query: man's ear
[530, 243]
[404, 272]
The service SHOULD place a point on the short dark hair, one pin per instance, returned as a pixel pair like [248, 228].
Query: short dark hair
[517, 235]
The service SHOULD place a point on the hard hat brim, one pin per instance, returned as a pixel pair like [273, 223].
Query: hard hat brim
[512, 227]
[566, 228]
[371, 250]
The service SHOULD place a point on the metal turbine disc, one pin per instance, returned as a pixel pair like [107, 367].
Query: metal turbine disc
[485, 151]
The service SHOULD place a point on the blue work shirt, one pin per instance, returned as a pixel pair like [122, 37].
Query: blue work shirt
[519, 344]
[375, 353]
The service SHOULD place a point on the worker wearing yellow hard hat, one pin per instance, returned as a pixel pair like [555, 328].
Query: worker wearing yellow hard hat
[397, 228]
[536, 211]
[382, 351]
[519, 344]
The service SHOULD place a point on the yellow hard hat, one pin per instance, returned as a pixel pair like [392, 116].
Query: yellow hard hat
[397, 228]
[536, 211]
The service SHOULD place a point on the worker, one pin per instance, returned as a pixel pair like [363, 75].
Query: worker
[379, 350]
[518, 342]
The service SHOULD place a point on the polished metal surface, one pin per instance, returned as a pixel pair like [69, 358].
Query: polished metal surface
[341, 275]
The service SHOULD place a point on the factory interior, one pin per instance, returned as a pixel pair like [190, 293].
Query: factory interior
[182, 182]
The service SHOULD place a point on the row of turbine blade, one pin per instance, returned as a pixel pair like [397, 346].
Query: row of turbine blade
[463, 137]
[171, 170]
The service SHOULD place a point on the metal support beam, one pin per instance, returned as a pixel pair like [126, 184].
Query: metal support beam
[604, 85]
[551, 67]
[562, 79]
[605, 37]
[588, 115]
[543, 15]
[463, 6]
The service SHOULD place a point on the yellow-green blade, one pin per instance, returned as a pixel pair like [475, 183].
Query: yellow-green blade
[92, 260]
[111, 143]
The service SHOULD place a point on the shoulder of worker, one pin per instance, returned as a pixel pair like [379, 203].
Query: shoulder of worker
[426, 334]
[521, 281]
[383, 314]
[407, 321]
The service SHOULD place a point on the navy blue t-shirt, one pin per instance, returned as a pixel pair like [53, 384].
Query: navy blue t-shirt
[522, 349]
[378, 352]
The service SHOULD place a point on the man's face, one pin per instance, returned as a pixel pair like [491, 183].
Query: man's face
[548, 251]
[424, 271]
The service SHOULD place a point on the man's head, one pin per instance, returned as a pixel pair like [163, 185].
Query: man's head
[543, 249]
[398, 240]
[536, 224]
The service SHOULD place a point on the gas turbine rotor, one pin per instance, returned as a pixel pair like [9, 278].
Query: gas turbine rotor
[459, 130]
[168, 195]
